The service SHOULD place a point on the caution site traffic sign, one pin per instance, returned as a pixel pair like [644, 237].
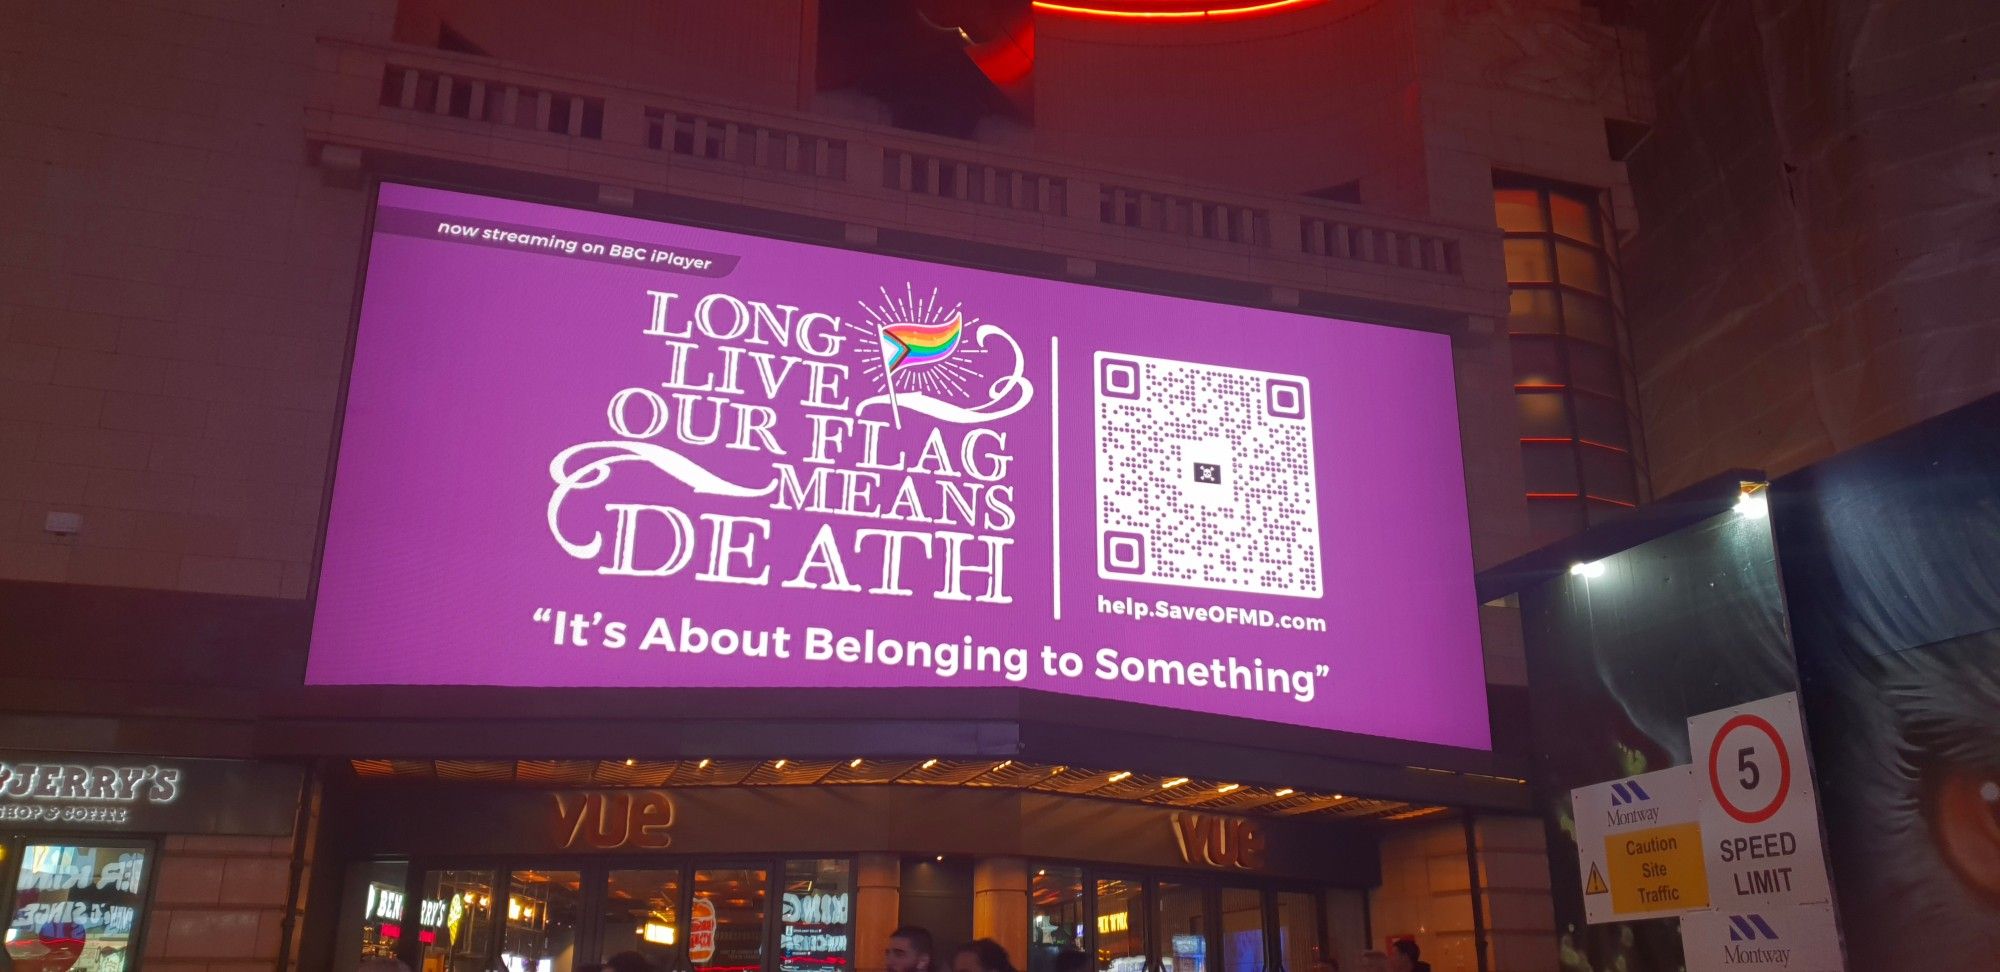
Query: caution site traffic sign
[1730, 843]
[1639, 847]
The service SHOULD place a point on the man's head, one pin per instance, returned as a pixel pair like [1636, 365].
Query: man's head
[628, 962]
[1403, 955]
[1374, 961]
[984, 955]
[909, 950]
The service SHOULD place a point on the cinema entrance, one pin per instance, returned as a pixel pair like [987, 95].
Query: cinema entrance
[452, 866]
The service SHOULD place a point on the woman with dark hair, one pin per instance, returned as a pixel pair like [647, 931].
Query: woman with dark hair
[984, 955]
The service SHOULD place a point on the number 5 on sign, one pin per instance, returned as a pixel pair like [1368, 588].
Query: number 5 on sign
[1758, 807]
[1751, 797]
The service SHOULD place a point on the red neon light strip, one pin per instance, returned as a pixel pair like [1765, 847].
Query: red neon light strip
[1121, 13]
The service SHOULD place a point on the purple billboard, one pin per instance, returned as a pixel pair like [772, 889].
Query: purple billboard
[582, 449]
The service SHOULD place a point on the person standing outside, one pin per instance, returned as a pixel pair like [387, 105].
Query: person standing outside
[910, 949]
[984, 955]
[1405, 956]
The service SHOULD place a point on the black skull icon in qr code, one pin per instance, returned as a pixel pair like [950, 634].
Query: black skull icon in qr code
[1207, 472]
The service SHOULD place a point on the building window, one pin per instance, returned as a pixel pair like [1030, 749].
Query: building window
[1572, 385]
[1298, 931]
[77, 905]
[544, 910]
[726, 919]
[641, 913]
[463, 941]
[1121, 920]
[1243, 945]
[816, 916]
[382, 909]
[1188, 923]
[1056, 915]
[1182, 928]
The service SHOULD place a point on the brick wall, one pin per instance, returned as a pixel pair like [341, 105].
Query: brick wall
[1426, 892]
[1818, 265]
[218, 904]
[174, 291]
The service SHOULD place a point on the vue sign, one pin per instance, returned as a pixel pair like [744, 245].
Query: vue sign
[1224, 842]
[614, 820]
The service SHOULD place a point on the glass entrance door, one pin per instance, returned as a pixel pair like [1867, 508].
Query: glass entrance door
[1126, 922]
[641, 912]
[726, 926]
[784, 915]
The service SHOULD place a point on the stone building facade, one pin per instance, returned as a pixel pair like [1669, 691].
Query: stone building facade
[185, 202]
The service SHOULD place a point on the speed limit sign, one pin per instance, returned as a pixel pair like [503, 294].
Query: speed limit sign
[1759, 813]
[1738, 769]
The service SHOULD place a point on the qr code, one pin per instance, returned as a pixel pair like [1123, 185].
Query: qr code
[1205, 477]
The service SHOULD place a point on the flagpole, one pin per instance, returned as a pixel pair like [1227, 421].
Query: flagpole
[889, 378]
[895, 412]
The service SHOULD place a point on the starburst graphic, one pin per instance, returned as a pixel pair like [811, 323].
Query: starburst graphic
[919, 345]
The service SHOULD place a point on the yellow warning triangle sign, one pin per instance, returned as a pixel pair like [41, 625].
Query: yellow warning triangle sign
[1596, 883]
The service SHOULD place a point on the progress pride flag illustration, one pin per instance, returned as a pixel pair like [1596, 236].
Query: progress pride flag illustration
[591, 450]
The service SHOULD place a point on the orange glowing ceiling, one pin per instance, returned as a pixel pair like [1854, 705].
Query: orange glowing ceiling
[1170, 9]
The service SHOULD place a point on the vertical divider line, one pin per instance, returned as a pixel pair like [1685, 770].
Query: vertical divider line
[1055, 485]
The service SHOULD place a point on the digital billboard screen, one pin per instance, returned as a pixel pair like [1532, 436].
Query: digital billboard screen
[585, 449]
